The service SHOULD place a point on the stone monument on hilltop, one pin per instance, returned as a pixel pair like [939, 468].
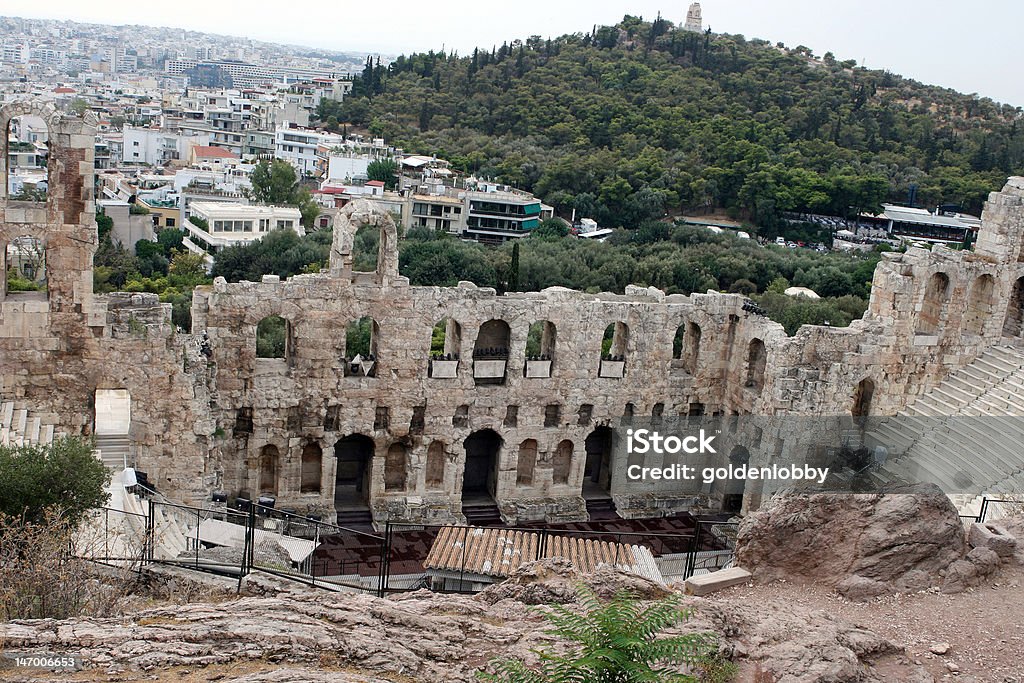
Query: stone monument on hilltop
[693, 19]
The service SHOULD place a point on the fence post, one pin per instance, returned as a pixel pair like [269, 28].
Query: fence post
[385, 552]
[984, 510]
[150, 550]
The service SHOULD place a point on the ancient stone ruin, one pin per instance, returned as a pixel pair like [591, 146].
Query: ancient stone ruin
[411, 437]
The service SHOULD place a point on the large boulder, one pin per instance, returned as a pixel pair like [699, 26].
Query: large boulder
[864, 545]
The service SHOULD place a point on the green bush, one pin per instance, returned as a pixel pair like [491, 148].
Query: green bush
[20, 284]
[616, 641]
[62, 478]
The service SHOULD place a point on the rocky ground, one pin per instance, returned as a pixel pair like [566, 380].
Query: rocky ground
[423, 637]
[784, 627]
[977, 635]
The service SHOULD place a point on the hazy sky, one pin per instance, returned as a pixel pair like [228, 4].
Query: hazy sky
[969, 46]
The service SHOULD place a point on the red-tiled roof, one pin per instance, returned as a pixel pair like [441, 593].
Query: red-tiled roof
[213, 152]
[375, 183]
[64, 90]
[499, 552]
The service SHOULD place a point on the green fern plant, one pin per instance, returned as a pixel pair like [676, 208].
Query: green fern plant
[617, 642]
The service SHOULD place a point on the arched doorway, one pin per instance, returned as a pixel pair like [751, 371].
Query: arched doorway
[597, 475]
[480, 478]
[732, 496]
[862, 398]
[352, 478]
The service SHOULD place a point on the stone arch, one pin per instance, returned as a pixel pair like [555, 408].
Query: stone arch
[933, 305]
[598, 468]
[362, 337]
[526, 462]
[312, 466]
[445, 349]
[436, 457]
[491, 352]
[24, 259]
[1013, 323]
[51, 118]
[540, 349]
[691, 355]
[615, 341]
[269, 458]
[396, 463]
[66, 221]
[561, 463]
[274, 338]
[483, 455]
[678, 342]
[980, 301]
[354, 454]
[757, 361]
[346, 222]
[863, 395]
[733, 489]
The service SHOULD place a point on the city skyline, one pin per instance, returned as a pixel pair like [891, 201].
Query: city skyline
[915, 40]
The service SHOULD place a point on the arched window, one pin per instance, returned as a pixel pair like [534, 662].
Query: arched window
[312, 462]
[862, 397]
[361, 358]
[491, 352]
[540, 349]
[691, 356]
[435, 465]
[24, 266]
[1013, 324]
[936, 296]
[365, 249]
[613, 350]
[757, 359]
[273, 338]
[677, 342]
[526, 463]
[445, 348]
[561, 464]
[395, 468]
[979, 304]
[268, 469]
[27, 153]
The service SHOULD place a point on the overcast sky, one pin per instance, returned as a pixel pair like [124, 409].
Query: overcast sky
[969, 46]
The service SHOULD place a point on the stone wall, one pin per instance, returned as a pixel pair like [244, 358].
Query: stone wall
[201, 423]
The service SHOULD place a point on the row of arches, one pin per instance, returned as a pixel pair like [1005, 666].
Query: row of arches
[979, 308]
[354, 455]
[275, 339]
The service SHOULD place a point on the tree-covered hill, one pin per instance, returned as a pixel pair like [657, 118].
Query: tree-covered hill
[629, 122]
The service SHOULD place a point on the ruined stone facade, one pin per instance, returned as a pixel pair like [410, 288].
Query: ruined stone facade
[409, 436]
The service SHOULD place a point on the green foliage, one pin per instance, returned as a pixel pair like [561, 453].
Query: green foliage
[624, 135]
[271, 334]
[358, 338]
[550, 228]
[200, 222]
[280, 252]
[275, 182]
[78, 106]
[615, 641]
[384, 170]
[20, 284]
[138, 210]
[63, 477]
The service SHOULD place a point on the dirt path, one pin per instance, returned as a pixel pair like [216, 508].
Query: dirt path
[984, 628]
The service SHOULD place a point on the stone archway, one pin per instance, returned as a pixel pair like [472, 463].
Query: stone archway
[480, 477]
[347, 222]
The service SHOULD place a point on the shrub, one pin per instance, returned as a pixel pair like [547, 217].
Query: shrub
[616, 642]
[62, 478]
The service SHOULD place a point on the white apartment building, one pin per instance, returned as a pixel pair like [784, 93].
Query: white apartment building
[232, 224]
[156, 147]
[307, 150]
